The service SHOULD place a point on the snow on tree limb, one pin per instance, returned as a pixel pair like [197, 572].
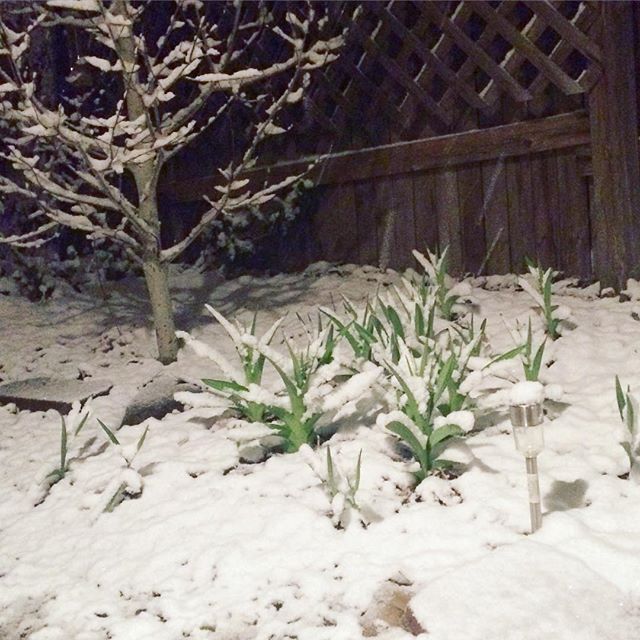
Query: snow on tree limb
[75, 155]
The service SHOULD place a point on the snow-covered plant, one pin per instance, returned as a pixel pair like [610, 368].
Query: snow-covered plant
[318, 388]
[361, 329]
[69, 426]
[414, 308]
[531, 357]
[296, 418]
[447, 291]
[237, 386]
[315, 386]
[339, 483]
[429, 407]
[158, 75]
[131, 484]
[341, 487]
[541, 292]
[628, 415]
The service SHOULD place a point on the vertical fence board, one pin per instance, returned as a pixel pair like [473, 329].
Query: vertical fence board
[366, 223]
[522, 230]
[447, 207]
[544, 202]
[381, 193]
[472, 229]
[555, 219]
[426, 220]
[495, 209]
[574, 256]
[613, 115]
[402, 212]
[335, 224]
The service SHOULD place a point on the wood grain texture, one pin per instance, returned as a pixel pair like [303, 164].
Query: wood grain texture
[447, 207]
[573, 209]
[495, 211]
[521, 216]
[614, 133]
[335, 224]
[425, 214]
[472, 231]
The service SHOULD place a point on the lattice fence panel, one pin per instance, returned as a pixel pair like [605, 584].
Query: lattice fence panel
[421, 69]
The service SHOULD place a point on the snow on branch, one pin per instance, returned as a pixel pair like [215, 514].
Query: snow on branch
[170, 72]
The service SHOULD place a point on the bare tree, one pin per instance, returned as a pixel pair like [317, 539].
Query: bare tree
[164, 87]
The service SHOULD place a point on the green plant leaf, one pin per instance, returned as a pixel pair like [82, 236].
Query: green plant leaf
[63, 445]
[297, 403]
[537, 363]
[631, 415]
[529, 342]
[394, 319]
[257, 370]
[419, 320]
[108, 431]
[405, 434]
[82, 423]
[116, 498]
[224, 385]
[252, 411]
[301, 432]
[356, 481]
[413, 410]
[329, 346]
[331, 479]
[443, 433]
[444, 377]
[620, 398]
[55, 476]
[142, 439]
[507, 355]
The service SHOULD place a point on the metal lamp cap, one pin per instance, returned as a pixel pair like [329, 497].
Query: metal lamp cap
[526, 415]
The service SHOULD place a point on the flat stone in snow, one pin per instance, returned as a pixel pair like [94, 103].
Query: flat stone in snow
[155, 399]
[40, 394]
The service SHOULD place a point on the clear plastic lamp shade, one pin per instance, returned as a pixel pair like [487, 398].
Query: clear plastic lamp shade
[527, 428]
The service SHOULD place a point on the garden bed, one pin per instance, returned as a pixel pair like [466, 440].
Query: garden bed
[216, 533]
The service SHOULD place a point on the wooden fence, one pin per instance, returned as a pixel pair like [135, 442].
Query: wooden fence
[502, 129]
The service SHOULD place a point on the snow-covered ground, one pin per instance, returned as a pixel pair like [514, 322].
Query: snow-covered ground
[214, 548]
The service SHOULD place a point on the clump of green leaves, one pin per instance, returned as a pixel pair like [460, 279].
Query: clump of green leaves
[126, 488]
[436, 270]
[296, 422]
[628, 415]
[430, 405]
[309, 377]
[235, 387]
[341, 487]
[542, 294]
[342, 484]
[77, 419]
[361, 329]
[295, 418]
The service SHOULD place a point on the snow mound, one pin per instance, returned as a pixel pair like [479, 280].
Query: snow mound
[525, 591]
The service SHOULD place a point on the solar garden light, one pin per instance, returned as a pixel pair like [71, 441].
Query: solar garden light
[526, 419]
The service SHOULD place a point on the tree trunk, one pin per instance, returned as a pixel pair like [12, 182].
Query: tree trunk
[157, 280]
[145, 175]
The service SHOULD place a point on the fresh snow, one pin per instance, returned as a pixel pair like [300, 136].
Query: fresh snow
[527, 392]
[212, 548]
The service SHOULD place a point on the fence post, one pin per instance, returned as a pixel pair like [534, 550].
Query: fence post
[613, 114]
